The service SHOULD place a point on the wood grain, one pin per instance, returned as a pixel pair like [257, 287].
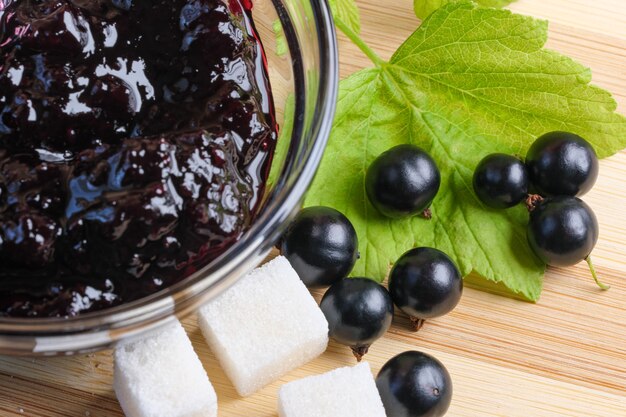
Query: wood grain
[564, 356]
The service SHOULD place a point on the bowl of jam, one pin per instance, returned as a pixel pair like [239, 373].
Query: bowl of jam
[151, 152]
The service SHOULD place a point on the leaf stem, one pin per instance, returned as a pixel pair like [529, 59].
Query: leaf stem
[595, 275]
[356, 39]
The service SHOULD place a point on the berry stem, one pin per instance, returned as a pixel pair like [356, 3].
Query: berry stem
[354, 37]
[417, 324]
[602, 286]
[427, 214]
[532, 201]
[359, 352]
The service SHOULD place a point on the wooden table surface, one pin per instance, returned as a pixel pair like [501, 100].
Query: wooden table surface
[564, 356]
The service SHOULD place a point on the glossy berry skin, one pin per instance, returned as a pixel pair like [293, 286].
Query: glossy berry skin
[561, 163]
[359, 311]
[501, 181]
[425, 283]
[402, 181]
[562, 231]
[414, 384]
[321, 245]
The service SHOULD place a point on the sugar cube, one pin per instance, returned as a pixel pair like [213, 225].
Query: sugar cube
[161, 376]
[343, 392]
[264, 326]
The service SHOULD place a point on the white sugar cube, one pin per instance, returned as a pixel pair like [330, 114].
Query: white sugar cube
[161, 376]
[264, 326]
[343, 392]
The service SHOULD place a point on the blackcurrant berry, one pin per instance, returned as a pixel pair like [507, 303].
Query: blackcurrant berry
[563, 231]
[414, 384]
[501, 181]
[321, 245]
[561, 163]
[359, 311]
[402, 181]
[425, 283]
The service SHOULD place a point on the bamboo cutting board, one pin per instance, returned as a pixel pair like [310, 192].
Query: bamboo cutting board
[564, 356]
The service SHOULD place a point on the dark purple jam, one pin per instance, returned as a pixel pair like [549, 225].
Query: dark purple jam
[135, 142]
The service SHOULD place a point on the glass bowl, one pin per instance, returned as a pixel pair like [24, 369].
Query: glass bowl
[300, 44]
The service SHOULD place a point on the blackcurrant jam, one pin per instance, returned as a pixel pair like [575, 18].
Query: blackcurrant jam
[135, 142]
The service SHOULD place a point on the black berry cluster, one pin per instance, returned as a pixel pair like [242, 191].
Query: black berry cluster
[322, 246]
[559, 167]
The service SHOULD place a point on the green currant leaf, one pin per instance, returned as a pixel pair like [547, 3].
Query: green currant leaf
[283, 142]
[281, 41]
[423, 8]
[469, 82]
[348, 12]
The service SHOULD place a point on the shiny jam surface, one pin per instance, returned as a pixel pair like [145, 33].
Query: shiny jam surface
[135, 141]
